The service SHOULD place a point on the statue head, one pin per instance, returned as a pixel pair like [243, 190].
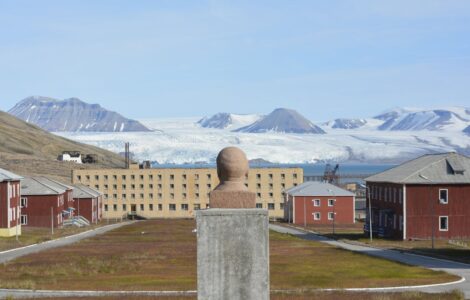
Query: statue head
[232, 167]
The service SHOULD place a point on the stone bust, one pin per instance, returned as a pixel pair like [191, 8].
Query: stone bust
[232, 168]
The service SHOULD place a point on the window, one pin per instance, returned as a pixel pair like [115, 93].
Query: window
[196, 176]
[150, 206]
[294, 176]
[209, 186]
[316, 202]
[160, 206]
[123, 177]
[124, 207]
[172, 196]
[184, 206]
[281, 205]
[258, 176]
[114, 186]
[132, 177]
[331, 215]
[150, 186]
[114, 177]
[197, 206]
[172, 206]
[258, 185]
[114, 196]
[105, 186]
[331, 202]
[141, 177]
[123, 196]
[97, 177]
[258, 195]
[106, 207]
[133, 196]
[142, 207]
[271, 206]
[24, 202]
[24, 220]
[172, 186]
[316, 216]
[270, 176]
[184, 176]
[283, 176]
[271, 195]
[141, 186]
[172, 177]
[151, 196]
[151, 177]
[123, 186]
[443, 196]
[197, 195]
[159, 176]
[443, 223]
[271, 186]
[115, 207]
[79, 177]
[184, 195]
[209, 176]
[105, 177]
[259, 205]
[141, 196]
[159, 195]
[97, 187]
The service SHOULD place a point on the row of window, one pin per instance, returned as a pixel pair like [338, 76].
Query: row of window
[172, 196]
[317, 202]
[387, 194]
[172, 187]
[184, 206]
[317, 216]
[172, 177]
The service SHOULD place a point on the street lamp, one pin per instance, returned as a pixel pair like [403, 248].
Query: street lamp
[431, 207]
[370, 214]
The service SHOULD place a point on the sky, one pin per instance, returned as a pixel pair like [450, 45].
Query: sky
[162, 59]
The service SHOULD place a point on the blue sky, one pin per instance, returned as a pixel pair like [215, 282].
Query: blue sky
[325, 59]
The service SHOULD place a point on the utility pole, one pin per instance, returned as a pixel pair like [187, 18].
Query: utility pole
[52, 220]
[370, 214]
[431, 207]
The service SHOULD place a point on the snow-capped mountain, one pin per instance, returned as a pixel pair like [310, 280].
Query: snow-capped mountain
[436, 119]
[467, 130]
[282, 120]
[228, 121]
[72, 115]
[345, 123]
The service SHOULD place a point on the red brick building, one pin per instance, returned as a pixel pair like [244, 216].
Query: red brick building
[422, 198]
[88, 203]
[319, 203]
[43, 202]
[10, 224]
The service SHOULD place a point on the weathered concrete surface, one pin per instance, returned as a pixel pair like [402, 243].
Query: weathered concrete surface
[232, 199]
[233, 254]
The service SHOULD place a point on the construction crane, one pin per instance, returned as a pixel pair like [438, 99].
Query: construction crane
[330, 175]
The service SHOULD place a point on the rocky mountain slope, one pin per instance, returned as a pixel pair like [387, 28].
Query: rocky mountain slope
[29, 150]
[228, 121]
[436, 119]
[284, 121]
[72, 115]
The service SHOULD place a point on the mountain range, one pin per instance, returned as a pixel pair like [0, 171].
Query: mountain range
[289, 121]
[72, 114]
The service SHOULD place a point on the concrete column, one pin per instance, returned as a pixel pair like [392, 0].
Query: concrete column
[232, 254]
[232, 237]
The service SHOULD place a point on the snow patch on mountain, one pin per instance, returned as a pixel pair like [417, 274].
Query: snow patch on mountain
[228, 121]
[282, 120]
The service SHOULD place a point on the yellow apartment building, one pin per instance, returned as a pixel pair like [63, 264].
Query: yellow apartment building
[178, 192]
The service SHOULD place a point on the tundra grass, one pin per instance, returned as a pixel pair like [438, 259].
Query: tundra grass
[161, 255]
[455, 295]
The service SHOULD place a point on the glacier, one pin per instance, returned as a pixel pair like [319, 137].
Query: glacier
[182, 140]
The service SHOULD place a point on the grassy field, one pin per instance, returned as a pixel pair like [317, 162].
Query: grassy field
[33, 235]
[355, 233]
[314, 295]
[161, 255]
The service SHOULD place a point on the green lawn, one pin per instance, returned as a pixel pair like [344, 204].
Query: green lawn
[33, 235]
[161, 255]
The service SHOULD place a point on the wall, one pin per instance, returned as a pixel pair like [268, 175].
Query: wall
[343, 207]
[424, 209]
[180, 187]
[38, 210]
[10, 208]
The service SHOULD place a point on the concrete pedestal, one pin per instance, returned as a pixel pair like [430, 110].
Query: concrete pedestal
[232, 254]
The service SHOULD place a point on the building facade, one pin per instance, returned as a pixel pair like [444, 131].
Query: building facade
[42, 202]
[421, 199]
[178, 192]
[10, 221]
[319, 203]
[88, 203]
